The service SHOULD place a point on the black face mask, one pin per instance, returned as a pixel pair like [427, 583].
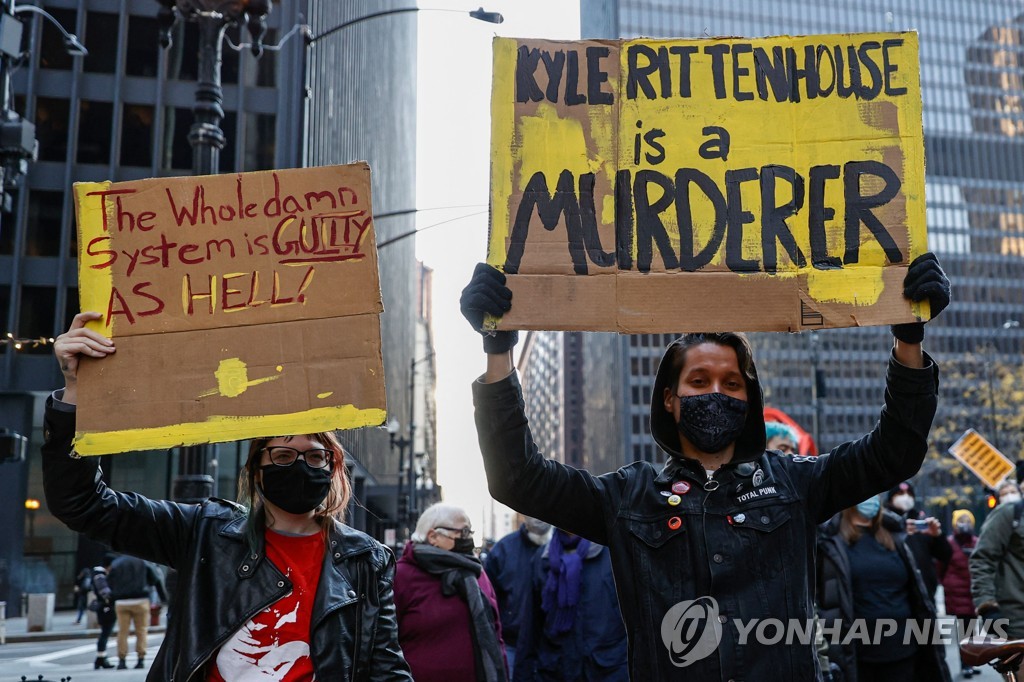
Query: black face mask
[297, 489]
[463, 545]
[711, 421]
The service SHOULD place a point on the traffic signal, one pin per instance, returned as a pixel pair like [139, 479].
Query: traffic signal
[992, 501]
[403, 507]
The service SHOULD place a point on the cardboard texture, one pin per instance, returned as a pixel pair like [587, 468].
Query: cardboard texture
[652, 186]
[982, 458]
[241, 305]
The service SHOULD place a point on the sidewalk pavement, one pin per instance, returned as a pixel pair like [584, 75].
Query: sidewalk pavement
[64, 627]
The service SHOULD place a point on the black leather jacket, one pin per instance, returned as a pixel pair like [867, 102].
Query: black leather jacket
[745, 538]
[221, 582]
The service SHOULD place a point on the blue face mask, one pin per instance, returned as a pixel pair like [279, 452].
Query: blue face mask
[869, 507]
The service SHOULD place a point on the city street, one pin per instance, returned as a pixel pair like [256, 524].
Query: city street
[69, 659]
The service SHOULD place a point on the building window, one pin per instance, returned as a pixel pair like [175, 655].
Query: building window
[227, 155]
[53, 53]
[45, 216]
[260, 141]
[101, 30]
[71, 308]
[52, 128]
[143, 47]
[266, 65]
[183, 54]
[137, 135]
[7, 237]
[37, 307]
[95, 120]
[5, 306]
[176, 152]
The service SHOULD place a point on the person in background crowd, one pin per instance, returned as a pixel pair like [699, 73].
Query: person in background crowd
[1008, 492]
[105, 615]
[509, 565]
[131, 580]
[866, 571]
[448, 623]
[956, 577]
[781, 437]
[83, 583]
[924, 534]
[571, 628]
[997, 569]
[277, 586]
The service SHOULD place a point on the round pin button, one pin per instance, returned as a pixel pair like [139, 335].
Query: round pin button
[674, 500]
[680, 487]
[674, 523]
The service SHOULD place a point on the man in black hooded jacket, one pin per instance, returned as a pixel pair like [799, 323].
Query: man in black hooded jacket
[723, 537]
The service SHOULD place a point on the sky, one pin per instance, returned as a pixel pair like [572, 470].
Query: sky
[452, 170]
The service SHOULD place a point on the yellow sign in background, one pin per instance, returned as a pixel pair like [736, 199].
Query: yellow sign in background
[982, 458]
[666, 185]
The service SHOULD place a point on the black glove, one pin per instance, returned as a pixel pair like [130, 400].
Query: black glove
[989, 615]
[486, 294]
[925, 280]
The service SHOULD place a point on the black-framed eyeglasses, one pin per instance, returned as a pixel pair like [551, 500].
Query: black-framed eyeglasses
[464, 533]
[315, 458]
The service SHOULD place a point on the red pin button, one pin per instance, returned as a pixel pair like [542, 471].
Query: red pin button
[680, 487]
[674, 523]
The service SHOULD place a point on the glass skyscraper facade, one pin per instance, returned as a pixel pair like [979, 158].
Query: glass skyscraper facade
[972, 54]
[123, 113]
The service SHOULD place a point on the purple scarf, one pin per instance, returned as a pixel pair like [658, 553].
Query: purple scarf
[561, 591]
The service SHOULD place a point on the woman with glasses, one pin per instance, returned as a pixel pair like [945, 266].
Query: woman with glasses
[448, 620]
[277, 587]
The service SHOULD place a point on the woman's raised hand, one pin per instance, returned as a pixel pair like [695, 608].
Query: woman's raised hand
[76, 341]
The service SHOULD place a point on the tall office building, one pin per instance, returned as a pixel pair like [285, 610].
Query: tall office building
[122, 113]
[971, 59]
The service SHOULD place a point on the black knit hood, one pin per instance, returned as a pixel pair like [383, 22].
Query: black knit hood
[751, 443]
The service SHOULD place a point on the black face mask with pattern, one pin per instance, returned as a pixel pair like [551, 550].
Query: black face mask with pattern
[711, 421]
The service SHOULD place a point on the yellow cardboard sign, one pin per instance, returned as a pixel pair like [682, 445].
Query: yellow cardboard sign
[982, 458]
[241, 306]
[727, 183]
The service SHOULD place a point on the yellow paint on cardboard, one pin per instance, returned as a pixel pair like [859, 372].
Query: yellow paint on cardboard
[223, 429]
[502, 131]
[233, 379]
[94, 285]
[326, 394]
[823, 131]
[857, 286]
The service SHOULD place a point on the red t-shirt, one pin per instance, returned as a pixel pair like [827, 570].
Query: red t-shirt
[274, 645]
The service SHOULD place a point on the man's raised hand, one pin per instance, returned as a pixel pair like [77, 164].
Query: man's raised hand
[486, 294]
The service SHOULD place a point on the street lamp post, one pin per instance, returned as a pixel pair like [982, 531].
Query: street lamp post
[194, 483]
[213, 17]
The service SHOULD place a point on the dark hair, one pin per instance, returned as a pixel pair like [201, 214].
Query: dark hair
[333, 506]
[738, 342]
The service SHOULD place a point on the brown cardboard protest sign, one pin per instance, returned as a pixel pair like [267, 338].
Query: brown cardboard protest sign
[241, 306]
[708, 184]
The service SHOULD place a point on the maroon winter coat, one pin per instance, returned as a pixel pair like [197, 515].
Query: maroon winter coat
[434, 630]
[956, 578]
